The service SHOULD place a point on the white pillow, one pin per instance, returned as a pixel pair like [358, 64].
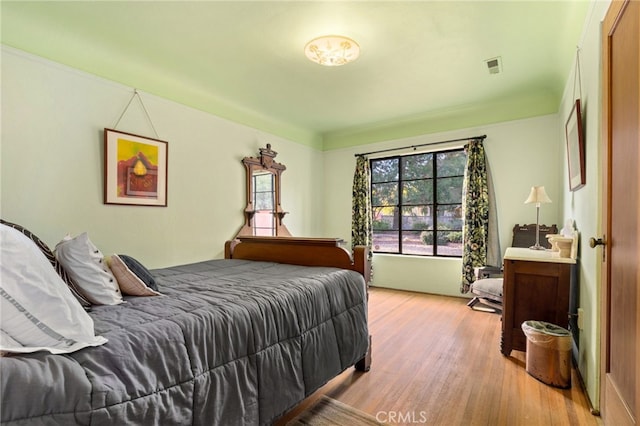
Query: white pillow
[85, 264]
[37, 310]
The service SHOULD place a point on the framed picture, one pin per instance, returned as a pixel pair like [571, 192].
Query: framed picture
[575, 148]
[135, 169]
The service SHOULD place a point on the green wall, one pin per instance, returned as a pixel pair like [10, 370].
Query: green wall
[521, 154]
[52, 166]
[583, 205]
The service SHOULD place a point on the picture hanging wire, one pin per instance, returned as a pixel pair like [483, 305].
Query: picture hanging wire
[576, 75]
[135, 93]
[421, 145]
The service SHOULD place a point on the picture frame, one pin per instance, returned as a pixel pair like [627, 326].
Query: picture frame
[135, 169]
[575, 148]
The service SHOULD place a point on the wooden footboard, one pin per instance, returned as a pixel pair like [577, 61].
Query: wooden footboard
[306, 252]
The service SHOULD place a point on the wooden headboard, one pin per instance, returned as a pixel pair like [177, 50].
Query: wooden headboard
[300, 251]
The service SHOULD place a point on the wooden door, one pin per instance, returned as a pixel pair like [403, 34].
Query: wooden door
[620, 342]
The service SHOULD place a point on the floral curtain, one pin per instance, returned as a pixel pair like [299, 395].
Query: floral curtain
[494, 254]
[361, 233]
[475, 206]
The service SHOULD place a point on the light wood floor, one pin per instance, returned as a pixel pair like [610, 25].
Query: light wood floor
[437, 362]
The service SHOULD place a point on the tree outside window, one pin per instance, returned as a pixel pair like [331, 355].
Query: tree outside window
[416, 203]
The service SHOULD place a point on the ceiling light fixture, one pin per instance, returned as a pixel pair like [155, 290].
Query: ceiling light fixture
[332, 50]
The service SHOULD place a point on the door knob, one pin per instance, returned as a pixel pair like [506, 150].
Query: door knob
[593, 242]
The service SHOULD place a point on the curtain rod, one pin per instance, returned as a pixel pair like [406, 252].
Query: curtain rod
[423, 144]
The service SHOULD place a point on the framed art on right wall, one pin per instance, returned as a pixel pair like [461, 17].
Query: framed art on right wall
[575, 148]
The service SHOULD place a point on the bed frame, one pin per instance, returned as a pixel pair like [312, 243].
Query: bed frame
[300, 251]
[306, 252]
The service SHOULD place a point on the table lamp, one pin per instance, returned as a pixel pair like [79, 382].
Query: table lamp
[538, 196]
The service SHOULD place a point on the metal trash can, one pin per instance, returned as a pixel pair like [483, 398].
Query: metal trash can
[548, 353]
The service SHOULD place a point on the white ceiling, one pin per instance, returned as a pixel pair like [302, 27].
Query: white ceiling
[421, 65]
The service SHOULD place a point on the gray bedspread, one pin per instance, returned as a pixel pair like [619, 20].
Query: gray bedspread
[229, 342]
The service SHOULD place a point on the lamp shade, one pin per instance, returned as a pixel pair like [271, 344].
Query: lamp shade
[537, 195]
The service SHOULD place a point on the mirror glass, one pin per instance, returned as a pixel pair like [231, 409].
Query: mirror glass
[264, 223]
[263, 213]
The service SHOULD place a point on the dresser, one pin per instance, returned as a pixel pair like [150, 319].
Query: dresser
[536, 286]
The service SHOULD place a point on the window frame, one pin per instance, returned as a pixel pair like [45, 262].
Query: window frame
[434, 205]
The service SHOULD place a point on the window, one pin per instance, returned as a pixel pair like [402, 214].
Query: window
[416, 203]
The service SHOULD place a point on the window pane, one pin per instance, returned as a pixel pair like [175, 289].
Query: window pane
[417, 242]
[263, 191]
[417, 218]
[450, 217]
[263, 201]
[385, 218]
[417, 166]
[263, 182]
[451, 163]
[384, 194]
[385, 170]
[417, 192]
[450, 190]
[450, 243]
[386, 241]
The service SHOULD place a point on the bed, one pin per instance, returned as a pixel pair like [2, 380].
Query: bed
[234, 341]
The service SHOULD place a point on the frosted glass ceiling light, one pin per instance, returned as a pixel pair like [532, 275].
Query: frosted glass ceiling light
[332, 51]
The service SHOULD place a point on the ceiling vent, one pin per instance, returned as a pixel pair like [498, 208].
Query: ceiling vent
[494, 65]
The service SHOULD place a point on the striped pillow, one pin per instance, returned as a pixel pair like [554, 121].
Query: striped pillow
[128, 281]
[140, 271]
[75, 289]
[37, 310]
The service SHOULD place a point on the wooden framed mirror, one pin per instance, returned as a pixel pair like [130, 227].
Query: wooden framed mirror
[263, 214]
